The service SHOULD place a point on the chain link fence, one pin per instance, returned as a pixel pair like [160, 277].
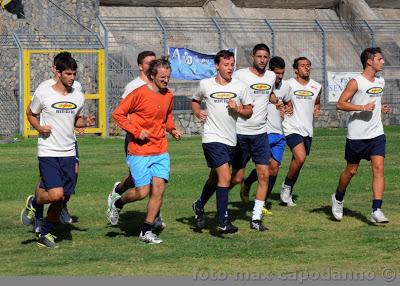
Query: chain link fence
[331, 45]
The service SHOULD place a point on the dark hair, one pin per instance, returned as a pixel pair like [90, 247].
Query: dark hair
[223, 54]
[369, 53]
[155, 64]
[61, 55]
[141, 56]
[276, 62]
[296, 62]
[261, 47]
[65, 63]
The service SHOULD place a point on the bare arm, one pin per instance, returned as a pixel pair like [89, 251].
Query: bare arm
[196, 108]
[44, 130]
[344, 104]
[317, 105]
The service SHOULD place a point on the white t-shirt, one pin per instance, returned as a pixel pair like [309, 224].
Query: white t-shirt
[220, 125]
[303, 100]
[58, 111]
[260, 89]
[363, 124]
[131, 86]
[51, 82]
[274, 119]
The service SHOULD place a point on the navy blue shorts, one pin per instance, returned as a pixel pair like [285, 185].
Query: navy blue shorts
[218, 154]
[77, 152]
[255, 147]
[292, 140]
[58, 172]
[356, 150]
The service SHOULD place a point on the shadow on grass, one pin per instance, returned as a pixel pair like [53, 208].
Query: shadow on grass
[61, 231]
[238, 212]
[346, 213]
[129, 224]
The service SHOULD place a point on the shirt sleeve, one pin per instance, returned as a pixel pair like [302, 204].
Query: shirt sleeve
[170, 125]
[200, 92]
[120, 114]
[36, 103]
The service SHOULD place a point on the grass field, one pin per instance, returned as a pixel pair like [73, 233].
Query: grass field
[303, 238]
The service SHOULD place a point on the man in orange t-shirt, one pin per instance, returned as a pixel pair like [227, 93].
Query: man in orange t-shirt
[149, 108]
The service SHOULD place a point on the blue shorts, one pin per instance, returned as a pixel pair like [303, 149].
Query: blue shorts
[255, 147]
[144, 168]
[356, 150]
[293, 140]
[277, 144]
[218, 154]
[58, 172]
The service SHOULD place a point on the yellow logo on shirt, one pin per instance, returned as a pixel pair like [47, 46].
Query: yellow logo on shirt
[223, 95]
[64, 105]
[260, 86]
[375, 90]
[303, 93]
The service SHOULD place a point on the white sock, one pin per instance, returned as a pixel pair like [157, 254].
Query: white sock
[257, 210]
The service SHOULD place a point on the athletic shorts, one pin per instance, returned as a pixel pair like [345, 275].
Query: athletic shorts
[356, 150]
[277, 144]
[293, 140]
[218, 154]
[255, 147]
[58, 172]
[144, 168]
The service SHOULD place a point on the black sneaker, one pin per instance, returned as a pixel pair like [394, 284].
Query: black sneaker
[227, 227]
[199, 217]
[258, 225]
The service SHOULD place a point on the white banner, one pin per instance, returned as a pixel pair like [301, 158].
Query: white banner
[337, 82]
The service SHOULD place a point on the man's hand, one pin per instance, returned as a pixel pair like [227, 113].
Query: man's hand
[386, 108]
[144, 134]
[176, 134]
[232, 106]
[369, 107]
[317, 112]
[203, 116]
[45, 130]
[90, 121]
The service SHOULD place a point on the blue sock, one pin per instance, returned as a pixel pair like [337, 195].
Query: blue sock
[251, 178]
[39, 209]
[208, 191]
[46, 227]
[289, 181]
[66, 199]
[376, 204]
[222, 204]
[339, 195]
[271, 184]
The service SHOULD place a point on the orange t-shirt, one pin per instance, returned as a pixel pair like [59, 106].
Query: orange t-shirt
[146, 110]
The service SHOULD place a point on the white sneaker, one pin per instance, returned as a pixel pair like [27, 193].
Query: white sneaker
[113, 212]
[149, 237]
[112, 194]
[378, 217]
[290, 203]
[285, 193]
[337, 208]
[65, 217]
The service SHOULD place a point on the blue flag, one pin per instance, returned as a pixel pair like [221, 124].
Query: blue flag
[190, 65]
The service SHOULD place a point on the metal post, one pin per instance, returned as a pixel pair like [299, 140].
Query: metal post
[165, 35]
[21, 85]
[272, 34]
[324, 62]
[220, 34]
[105, 44]
[373, 43]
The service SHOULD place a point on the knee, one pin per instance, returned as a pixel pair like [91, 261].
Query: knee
[225, 180]
[237, 179]
[377, 170]
[56, 196]
[273, 170]
[351, 172]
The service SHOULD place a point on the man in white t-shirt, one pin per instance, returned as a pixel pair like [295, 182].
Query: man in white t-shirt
[226, 99]
[305, 96]
[252, 137]
[143, 60]
[362, 97]
[276, 139]
[65, 217]
[59, 108]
